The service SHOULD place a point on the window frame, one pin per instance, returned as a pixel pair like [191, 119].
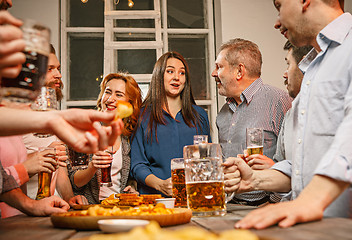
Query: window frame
[159, 14]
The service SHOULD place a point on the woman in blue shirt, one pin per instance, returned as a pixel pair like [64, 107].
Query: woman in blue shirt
[169, 120]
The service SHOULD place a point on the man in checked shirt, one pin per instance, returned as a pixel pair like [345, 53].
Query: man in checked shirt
[249, 103]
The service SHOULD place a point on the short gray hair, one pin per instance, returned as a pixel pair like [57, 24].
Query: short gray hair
[245, 52]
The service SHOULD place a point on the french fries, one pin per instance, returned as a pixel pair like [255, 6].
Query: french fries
[158, 209]
[153, 231]
[130, 199]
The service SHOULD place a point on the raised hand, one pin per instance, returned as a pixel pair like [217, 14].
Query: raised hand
[81, 129]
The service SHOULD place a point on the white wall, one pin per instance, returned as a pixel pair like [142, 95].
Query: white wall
[43, 11]
[254, 20]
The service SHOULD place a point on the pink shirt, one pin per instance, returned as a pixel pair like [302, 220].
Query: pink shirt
[12, 154]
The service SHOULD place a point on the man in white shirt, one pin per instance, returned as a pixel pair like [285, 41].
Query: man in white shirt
[322, 156]
[60, 179]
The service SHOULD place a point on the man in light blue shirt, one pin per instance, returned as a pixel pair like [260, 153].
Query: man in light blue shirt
[322, 152]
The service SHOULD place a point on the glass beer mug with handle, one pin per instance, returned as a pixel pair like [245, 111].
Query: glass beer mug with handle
[45, 101]
[205, 179]
[26, 86]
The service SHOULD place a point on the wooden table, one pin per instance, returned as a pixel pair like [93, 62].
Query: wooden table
[23, 227]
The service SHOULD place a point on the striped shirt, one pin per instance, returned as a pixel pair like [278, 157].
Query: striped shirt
[262, 106]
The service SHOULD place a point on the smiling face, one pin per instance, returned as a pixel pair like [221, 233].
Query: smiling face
[174, 77]
[224, 75]
[115, 90]
[293, 75]
[53, 76]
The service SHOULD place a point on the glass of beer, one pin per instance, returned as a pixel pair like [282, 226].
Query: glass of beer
[78, 160]
[204, 179]
[254, 140]
[44, 178]
[26, 86]
[45, 101]
[200, 139]
[106, 172]
[178, 182]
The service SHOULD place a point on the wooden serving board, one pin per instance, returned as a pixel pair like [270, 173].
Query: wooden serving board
[181, 216]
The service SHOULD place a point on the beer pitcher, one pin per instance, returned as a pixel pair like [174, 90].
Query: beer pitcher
[204, 179]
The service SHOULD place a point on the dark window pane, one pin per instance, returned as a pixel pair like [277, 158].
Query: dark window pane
[193, 50]
[138, 5]
[136, 61]
[134, 23]
[125, 37]
[86, 66]
[90, 14]
[185, 14]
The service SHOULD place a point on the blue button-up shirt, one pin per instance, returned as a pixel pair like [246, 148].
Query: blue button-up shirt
[152, 157]
[323, 124]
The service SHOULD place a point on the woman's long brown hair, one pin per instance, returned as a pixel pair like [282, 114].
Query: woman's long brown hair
[156, 98]
[133, 93]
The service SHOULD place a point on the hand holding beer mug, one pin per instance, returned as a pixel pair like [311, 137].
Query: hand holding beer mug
[178, 182]
[204, 179]
[254, 140]
[26, 86]
[44, 178]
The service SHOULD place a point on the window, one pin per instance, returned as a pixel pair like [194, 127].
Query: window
[100, 37]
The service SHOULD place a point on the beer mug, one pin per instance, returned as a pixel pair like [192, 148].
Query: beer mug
[200, 139]
[254, 140]
[26, 86]
[178, 182]
[205, 179]
[78, 160]
[44, 178]
[45, 101]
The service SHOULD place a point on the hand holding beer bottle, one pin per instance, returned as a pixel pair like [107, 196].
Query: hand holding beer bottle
[44, 178]
[37, 162]
[61, 153]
